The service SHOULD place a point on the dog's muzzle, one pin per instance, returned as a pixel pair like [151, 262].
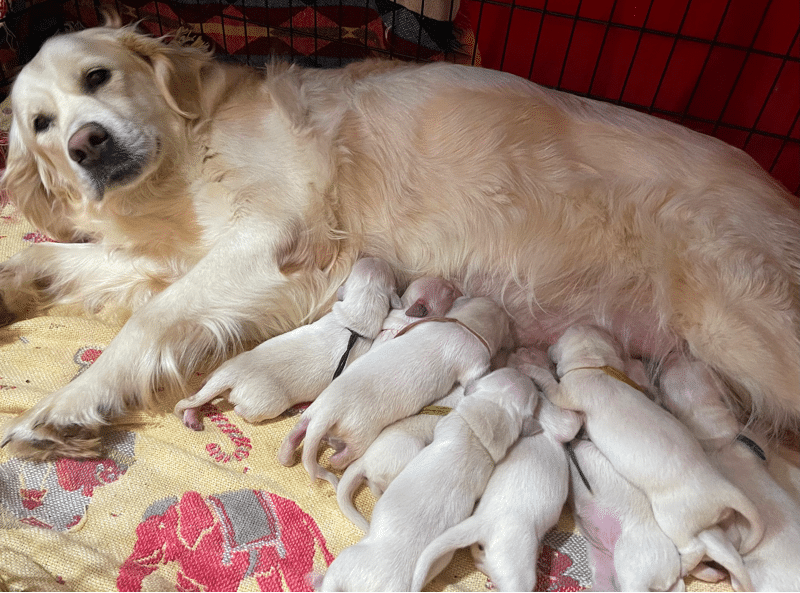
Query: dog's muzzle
[108, 163]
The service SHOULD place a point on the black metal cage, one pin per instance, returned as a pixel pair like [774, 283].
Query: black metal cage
[729, 68]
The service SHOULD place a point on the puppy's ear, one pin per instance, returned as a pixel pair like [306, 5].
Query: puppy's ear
[177, 70]
[31, 185]
[470, 388]
[530, 427]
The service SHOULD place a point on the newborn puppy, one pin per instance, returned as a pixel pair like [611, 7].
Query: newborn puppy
[522, 502]
[424, 297]
[617, 520]
[693, 394]
[439, 487]
[296, 366]
[397, 380]
[386, 457]
[653, 451]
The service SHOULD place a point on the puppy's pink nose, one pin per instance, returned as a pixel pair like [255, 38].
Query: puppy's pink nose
[85, 147]
[418, 309]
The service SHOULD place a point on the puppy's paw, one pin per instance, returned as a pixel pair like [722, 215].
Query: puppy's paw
[192, 419]
[522, 358]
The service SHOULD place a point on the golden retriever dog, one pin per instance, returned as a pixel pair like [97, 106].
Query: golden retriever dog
[224, 205]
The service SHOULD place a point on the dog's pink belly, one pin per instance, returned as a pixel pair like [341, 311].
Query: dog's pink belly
[639, 334]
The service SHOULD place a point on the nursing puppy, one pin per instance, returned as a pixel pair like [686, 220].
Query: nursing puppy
[424, 297]
[130, 152]
[522, 502]
[617, 521]
[396, 380]
[614, 516]
[388, 454]
[296, 366]
[689, 496]
[693, 394]
[439, 487]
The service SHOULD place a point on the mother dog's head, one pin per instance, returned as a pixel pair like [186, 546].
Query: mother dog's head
[95, 114]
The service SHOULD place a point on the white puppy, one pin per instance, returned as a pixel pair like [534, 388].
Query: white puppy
[614, 516]
[296, 366]
[439, 487]
[397, 380]
[651, 449]
[693, 394]
[617, 520]
[388, 454]
[424, 297]
[522, 502]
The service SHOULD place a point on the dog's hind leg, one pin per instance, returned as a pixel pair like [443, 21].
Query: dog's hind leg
[747, 328]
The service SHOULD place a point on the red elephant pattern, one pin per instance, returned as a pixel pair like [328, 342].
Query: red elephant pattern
[56, 494]
[219, 540]
[563, 563]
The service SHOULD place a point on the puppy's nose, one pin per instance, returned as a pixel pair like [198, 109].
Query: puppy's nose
[85, 147]
[418, 309]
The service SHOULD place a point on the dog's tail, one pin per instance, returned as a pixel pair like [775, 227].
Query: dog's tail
[438, 553]
[351, 479]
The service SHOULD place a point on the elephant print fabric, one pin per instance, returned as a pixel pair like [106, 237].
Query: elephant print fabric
[56, 495]
[216, 542]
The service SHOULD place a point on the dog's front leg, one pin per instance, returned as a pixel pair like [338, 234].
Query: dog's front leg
[90, 274]
[233, 295]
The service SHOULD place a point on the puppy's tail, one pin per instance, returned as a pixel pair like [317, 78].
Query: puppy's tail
[747, 509]
[351, 479]
[438, 553]
[292, 441]
[314, 435]
[721, 550]
[216, 384]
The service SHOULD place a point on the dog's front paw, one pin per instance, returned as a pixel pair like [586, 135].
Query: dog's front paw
[35, 436]
[18, 300]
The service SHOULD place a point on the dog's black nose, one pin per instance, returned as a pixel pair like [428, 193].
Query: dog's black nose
[85, 147]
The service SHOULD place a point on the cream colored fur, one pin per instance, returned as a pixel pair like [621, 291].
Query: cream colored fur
[258, 189]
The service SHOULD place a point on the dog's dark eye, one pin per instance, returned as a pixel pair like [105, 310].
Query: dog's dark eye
[96, 78]
[41, 123]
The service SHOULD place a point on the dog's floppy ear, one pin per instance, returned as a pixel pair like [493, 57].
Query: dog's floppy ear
[31, 184]
[176, 69]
